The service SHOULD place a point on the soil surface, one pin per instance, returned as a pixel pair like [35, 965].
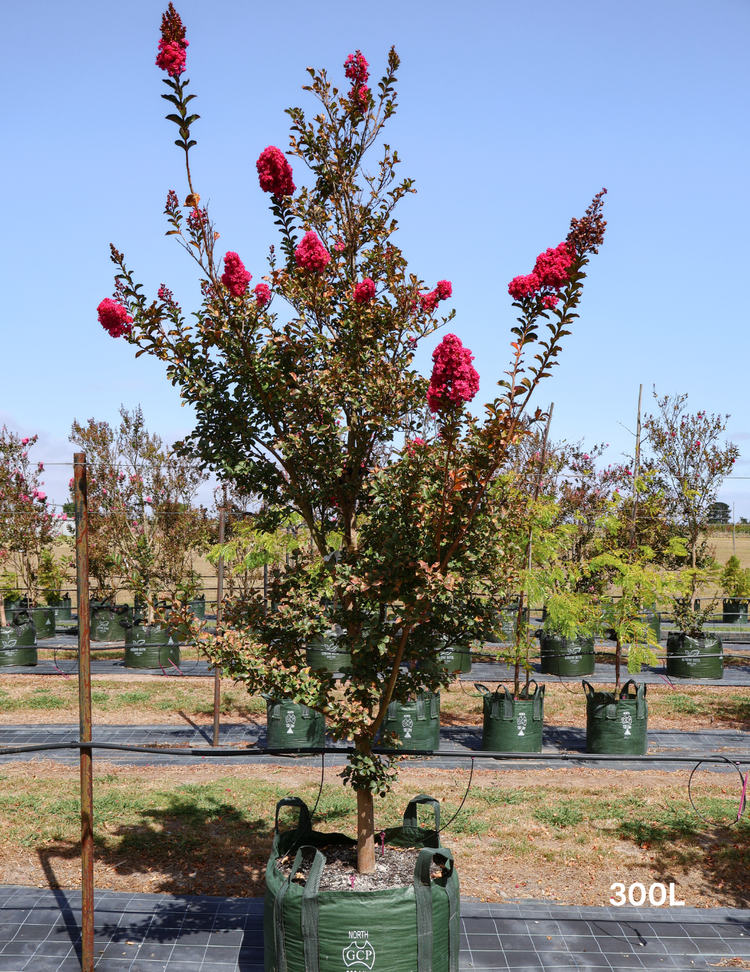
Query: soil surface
[394, 868]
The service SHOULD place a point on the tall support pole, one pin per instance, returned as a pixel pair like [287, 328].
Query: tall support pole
[84, 709]
[219, 599]
[636, 468]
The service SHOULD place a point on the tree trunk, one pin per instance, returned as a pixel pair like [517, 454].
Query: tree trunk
[365, 832]
[3, 618]
[618, 655]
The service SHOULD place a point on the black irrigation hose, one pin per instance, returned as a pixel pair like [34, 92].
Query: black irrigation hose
[712, 823]
[207, 751]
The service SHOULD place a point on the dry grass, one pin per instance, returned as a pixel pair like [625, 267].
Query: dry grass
[566, 836]
[148, 699]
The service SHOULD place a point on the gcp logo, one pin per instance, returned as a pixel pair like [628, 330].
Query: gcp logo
[359, 954]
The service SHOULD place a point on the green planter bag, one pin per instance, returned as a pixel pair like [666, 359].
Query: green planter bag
[407, 929]
[455, 658]
[695, 657]
[512, 725]
[150, 646]
[44, 622]
[734, 611]
[107, 621]
[325, 655]
[293, 726]
[567, 656]
[617, 726]
[198, 607]
[63, 610]
[17, 640]
[416, 723]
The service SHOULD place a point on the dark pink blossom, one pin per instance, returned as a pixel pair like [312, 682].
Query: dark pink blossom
[172, 57]
[114, 318]
[364, 291]
[311, 254]
[454, 379]
[553, 266]
[24, 441]
[413, 444]
[549, 301]
[444, 289]
[356, 69]
[235, 277]
[521, 287]
[429, 301]
[275, 173]
[262, 294]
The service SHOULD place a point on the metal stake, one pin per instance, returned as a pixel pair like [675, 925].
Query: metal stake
[84, 710]
[219, 598]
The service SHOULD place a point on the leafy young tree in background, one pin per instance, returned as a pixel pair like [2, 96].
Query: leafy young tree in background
[144, 531]
[305, 385]
[27, 527]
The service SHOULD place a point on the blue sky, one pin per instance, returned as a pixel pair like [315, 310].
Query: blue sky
[512, 114]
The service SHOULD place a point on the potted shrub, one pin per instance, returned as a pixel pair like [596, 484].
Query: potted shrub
[617, 722]
[28, 529]
[325, 419]
[735, 585]
[691, 652]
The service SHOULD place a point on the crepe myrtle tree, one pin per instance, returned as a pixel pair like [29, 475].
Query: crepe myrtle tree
[306, 395]
[691, 462]
[28, 527]
[144, 531]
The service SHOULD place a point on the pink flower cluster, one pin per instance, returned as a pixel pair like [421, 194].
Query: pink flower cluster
[114, 318]
[364, 291]
[413, 444]
[311, 254]
[262, 294]
[356, 69]
[275, 173]
[235, 277]
[171, 57]
[551, 272]
[454, 379]
[429, 301]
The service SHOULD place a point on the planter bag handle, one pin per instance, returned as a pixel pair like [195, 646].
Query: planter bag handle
[410, 814]
[309, 909]
[588, 688]
[420, 709]
[391, 714]
[538, 701]
[483, 689]
[640, 694]
[21, 619]
[303, 824]
[423, 899]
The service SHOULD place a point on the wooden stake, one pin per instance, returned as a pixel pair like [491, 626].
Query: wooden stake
[636, 468]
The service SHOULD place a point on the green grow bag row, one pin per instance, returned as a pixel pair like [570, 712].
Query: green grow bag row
[407, 929]
[17, 640]
[416, 723]
[617, 726]
[150, 646]
[567, 656]
[734, 611]
[290, 725]
[512, 725]
[324, 654]
[695, 657]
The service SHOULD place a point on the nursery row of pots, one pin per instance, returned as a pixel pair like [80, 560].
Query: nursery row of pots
[615, 722]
